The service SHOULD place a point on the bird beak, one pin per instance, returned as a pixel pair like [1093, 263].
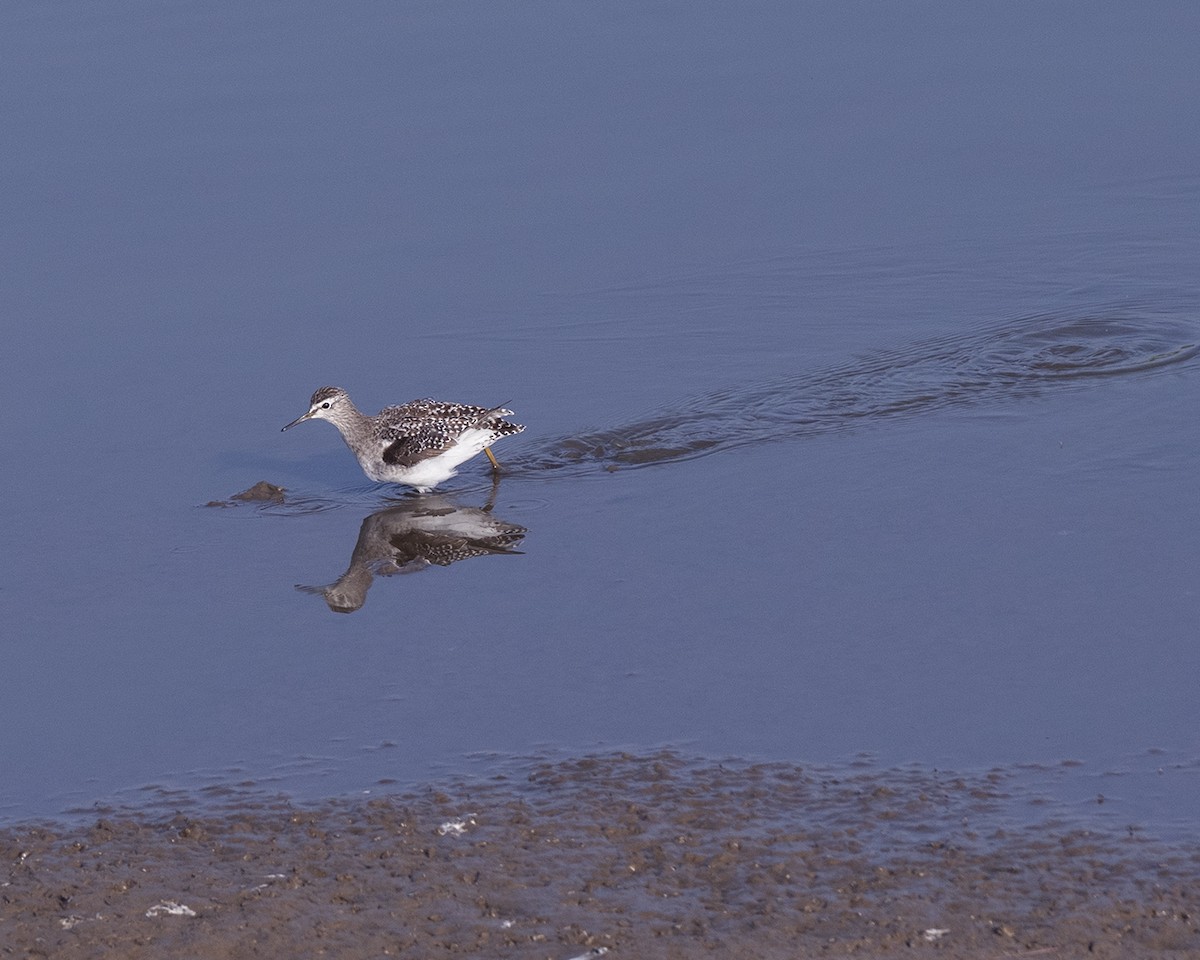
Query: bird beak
[296, 421]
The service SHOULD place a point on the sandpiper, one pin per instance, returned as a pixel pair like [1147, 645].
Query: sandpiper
[419, 443]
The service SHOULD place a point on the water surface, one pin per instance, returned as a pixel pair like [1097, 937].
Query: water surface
[857, 346]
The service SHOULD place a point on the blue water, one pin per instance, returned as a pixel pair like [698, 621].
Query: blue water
[921, 277]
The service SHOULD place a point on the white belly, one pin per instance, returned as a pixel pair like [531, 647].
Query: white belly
[427, 474]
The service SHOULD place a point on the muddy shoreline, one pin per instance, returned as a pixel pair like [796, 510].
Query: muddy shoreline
[625, 856]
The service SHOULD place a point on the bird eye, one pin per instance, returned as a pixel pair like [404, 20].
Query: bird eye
[325, 405]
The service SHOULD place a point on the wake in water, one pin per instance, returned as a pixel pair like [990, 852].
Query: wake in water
[1017, 359]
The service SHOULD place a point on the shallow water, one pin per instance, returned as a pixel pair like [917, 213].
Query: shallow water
[652, 856]
[858, 355]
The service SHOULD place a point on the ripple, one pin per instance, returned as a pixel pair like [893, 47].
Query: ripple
[1017, 359]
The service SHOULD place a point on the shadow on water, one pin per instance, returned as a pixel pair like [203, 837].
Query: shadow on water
[430, 530]
[1020, 358]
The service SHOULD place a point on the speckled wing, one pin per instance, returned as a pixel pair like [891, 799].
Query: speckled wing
[421, 429]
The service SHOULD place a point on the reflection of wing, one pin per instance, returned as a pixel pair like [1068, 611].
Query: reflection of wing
[445, 550]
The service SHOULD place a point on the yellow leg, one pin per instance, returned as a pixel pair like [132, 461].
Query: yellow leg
[492, 457]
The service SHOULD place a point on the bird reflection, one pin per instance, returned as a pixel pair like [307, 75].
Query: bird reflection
[422, 531]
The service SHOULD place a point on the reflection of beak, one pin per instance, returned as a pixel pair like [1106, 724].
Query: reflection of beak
[296, 421]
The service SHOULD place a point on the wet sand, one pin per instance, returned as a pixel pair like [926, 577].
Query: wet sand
[636, 857]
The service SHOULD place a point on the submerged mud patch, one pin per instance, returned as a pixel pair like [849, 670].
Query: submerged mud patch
[646, 857]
